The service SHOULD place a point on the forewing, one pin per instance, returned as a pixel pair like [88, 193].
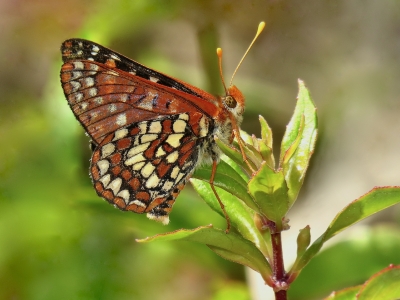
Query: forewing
[144, 166]
[80, 49]
[107, 91]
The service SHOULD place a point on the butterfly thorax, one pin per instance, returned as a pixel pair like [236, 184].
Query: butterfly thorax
[229, 118]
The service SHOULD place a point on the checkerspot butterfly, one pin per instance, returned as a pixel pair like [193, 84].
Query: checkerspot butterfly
[149, 131]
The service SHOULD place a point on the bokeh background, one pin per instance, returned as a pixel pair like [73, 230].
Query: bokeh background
[58, 240]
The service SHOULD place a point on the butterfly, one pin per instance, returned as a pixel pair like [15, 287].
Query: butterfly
[149, 131]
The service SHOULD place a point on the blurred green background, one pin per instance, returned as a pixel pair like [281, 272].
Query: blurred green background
[58, 240]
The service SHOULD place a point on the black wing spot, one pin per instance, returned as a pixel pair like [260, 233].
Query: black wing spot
[168, 104]
[92, 146]
[154, 102]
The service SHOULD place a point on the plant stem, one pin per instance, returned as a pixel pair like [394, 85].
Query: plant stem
[278, 267]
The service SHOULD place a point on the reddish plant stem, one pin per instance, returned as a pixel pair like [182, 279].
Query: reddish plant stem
[278, 267]
[281, 295]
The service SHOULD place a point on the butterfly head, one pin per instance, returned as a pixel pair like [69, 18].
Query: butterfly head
[234, 101]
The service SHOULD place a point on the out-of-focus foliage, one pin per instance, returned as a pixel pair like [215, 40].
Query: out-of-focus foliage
[349, 263]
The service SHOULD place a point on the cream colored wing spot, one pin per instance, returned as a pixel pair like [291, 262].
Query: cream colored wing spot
[98, 100]
[174, 139]
[75, 86]
[180, 176]
[78, 97]
[124, 194]
[184, 116]
[175, 172]
[155, 127]
[148, 138]
[152, 181]
[138, 149]
[94, 67]
[92, 92]
[112, 107]
[203, 127]
[143, 128]
[160, 152]
[147, 170]
[179, 126]
[78, 65]
[154, 79]
[119, 134]
[113, 56]
[95, 48]
[135, 159]
[107, 149]
[103, 166]
[172, 157]
[168, 185]
[76, 75]
[115, 185]
[138, 203]
[89, 82]
[138, 166]
[136, 141]
[84, 105]
[105, 180]
[121, 119]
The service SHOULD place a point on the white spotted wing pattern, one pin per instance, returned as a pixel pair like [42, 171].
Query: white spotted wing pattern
[149, 131]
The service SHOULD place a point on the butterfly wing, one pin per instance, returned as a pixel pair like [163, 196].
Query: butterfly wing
[107, 91]
[144, 166]
[149, 130]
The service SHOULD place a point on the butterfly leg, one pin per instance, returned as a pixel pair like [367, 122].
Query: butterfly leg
[213, 172]
[236, 133]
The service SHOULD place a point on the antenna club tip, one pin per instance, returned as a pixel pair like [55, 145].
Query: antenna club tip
[219, 51]
[261, 27]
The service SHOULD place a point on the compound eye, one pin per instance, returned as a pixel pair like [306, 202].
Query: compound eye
[230, 102]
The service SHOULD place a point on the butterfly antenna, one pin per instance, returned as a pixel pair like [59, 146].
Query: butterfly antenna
[219, 53]
[261, 27]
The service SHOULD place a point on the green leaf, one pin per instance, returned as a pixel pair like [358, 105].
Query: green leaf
[345, 294]
[269, 190]
[384, 285]
[237, 168]
[252, 154]
[234, 154]
[230, 246]
[265, 143]
[228, 179]
[374, 201]
[303, 240]
[241, 216]
[266, 132]
[298, 142]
